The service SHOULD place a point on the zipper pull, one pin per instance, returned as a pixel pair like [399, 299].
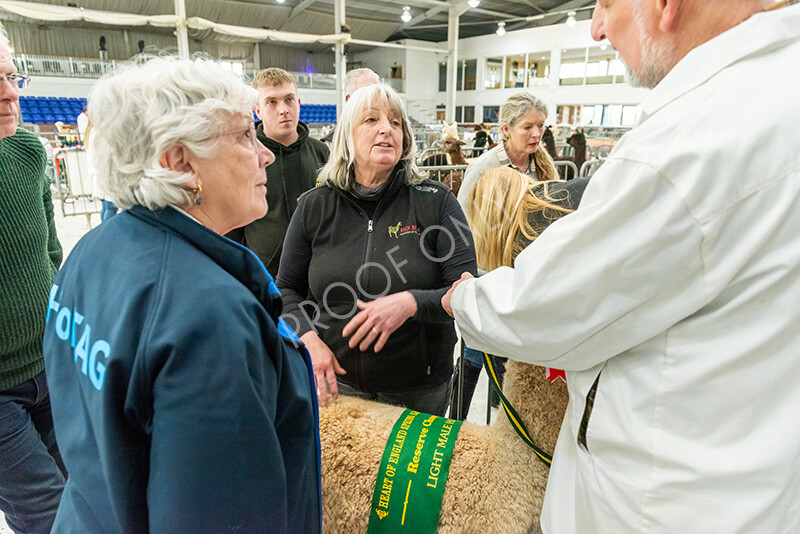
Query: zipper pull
[369, 228]
[429, 370]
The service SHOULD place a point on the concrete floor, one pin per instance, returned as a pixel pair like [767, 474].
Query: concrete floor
[71, 228]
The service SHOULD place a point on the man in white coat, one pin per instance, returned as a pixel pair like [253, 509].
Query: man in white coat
[671, 297]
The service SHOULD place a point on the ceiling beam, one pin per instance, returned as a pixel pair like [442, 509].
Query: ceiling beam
[534, 6]
[419, 18]
[446, 5]
[519, 21]
[299, 8]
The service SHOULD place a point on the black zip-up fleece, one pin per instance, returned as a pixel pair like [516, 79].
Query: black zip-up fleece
[334, 252]
[293, 173]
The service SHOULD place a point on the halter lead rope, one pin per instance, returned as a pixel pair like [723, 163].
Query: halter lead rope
[513, 417]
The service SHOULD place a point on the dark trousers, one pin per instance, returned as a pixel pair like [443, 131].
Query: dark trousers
[431, 400]
[32, 474]
[472, 365]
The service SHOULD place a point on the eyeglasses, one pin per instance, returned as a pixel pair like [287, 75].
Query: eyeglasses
[249, 132]
[20, 81]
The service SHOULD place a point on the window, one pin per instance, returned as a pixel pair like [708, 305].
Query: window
[469, 114]
[599, 69]
[591, 66]
[442, 76]
[491, 114]
[493, 77]
[608, 115]
[587, 114]
[614, 116]
[566, 114]
[538, 69]
[597, 116]
[515, 71]
[233, 66]
[628, 115]
[469, 73]
[573, 66]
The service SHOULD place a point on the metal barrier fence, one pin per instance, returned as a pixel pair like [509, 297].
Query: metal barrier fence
[568, 165]
[447, 174]
[67, 67]
[469, 152]
[590, 166]
[74, 183]
[83, 67]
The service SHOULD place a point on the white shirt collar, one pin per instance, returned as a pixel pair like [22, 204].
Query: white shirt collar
[183, 212]
[759, 32]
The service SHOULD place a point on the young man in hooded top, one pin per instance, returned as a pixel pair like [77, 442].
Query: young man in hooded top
[298, 157]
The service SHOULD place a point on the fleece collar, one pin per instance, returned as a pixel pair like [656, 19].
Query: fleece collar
[237, 260]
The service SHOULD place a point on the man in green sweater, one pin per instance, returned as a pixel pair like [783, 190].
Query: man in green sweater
[32, 474]
[298, 157]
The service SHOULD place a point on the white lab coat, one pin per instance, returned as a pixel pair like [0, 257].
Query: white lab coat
[678, 282]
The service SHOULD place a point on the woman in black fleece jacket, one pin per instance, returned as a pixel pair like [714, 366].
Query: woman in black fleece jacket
[368, 256]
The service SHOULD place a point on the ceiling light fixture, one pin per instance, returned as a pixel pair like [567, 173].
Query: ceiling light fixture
[280, 1]
[474, 3]
[406, 16]
[571, 19]
[501, 28]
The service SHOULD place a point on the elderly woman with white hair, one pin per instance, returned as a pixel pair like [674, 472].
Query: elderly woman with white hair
[522, 119]
[367, 256]
[181, 402]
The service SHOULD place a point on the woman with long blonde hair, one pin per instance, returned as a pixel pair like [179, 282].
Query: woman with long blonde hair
[506, 213]
[522, 119]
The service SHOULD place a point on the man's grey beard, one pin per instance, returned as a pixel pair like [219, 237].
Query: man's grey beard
[656, 57]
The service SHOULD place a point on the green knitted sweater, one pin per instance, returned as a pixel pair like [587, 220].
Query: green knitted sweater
[30, 255]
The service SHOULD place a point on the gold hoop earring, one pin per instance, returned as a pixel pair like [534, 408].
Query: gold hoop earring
[196, 191]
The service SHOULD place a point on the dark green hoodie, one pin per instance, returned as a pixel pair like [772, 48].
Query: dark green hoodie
[293, 173]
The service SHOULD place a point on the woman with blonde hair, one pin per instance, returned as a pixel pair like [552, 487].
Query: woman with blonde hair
[367, 258]
[522, 119]
[506, 214]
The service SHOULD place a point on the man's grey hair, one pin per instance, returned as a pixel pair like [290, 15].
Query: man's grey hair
[350, 79]
[518, 105]
[140, 111]
[340, 169]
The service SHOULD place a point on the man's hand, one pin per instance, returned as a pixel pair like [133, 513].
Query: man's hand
[449, 295]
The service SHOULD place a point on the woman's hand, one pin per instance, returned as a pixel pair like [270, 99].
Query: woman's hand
[378, 319]
[446, 304]
[326, 367]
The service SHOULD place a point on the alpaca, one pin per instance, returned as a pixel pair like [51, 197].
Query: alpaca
[496, 482]
[578, 143]
[451, 155]
[549, 141]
